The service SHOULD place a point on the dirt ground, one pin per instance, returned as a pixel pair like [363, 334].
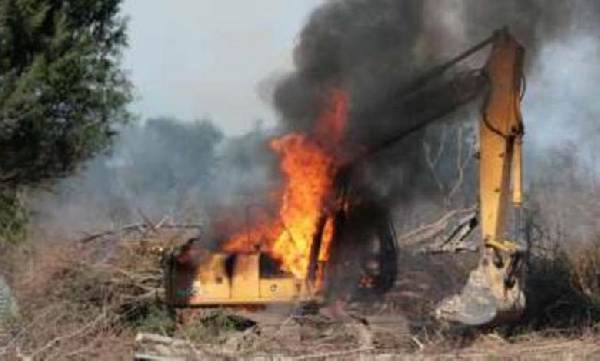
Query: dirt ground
[383, 337]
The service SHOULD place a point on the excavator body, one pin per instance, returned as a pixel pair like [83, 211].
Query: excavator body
[196, 277]
[494, 291]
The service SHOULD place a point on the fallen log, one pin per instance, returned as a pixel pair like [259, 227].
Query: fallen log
[152, 347]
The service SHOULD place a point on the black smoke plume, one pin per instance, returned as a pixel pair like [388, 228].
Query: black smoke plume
[373, 48]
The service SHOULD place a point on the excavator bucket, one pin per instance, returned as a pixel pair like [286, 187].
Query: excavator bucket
[476, 304]
[489, 297]
[494, 289]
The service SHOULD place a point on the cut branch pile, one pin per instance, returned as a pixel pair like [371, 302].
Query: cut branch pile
[79, 297]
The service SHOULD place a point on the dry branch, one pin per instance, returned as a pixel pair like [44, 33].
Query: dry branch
[428, 231]
[158, 347]
[77, 332]
[324, 356]
[141, 228]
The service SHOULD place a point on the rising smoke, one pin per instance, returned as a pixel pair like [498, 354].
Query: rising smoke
[162, 169]
[372, 48]
[369, 48]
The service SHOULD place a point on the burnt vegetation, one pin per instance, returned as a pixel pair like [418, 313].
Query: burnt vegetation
[84, 292]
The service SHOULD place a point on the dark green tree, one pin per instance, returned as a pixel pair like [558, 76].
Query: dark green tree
[62, 90]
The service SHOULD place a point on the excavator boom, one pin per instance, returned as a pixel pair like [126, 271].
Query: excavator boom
[500, 137]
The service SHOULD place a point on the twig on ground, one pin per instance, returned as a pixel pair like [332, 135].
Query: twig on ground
[77, 332]
[140, 227]
[334, 354]
[419, 344]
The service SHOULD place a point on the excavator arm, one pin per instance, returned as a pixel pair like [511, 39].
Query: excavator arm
[494, 289]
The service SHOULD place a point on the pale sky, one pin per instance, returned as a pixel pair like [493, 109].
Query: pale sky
[207, 58]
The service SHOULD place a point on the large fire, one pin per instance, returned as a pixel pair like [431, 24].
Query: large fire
[309, 163]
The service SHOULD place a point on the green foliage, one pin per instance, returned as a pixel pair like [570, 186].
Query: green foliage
[13, 216]
[214, 326]
[153, 319]
[61, 86]
[202, 326]
[61, 92]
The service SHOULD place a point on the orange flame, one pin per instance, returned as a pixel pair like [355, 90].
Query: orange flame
[309, 164]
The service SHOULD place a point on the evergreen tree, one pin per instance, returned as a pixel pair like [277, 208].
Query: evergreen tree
[62, 90]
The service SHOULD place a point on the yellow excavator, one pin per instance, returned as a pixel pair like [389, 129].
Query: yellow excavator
[494, 291]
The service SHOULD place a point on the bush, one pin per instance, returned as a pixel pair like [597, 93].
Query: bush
[13, 216]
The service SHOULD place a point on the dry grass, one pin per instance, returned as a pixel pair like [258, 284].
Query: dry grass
[585, 265]
[88, 301]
